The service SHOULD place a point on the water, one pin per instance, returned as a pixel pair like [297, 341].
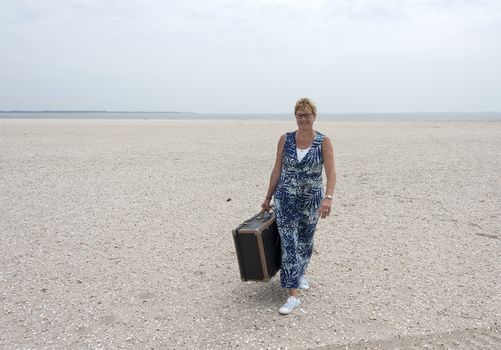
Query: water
[477, 116]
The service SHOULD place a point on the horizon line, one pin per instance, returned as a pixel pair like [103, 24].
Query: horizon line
[225, 113]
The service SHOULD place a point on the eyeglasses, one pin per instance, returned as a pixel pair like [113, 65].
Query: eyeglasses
[304, 115]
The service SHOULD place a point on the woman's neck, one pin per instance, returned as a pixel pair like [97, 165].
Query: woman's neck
[306, 133]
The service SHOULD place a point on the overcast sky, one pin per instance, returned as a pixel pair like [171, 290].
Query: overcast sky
[251, 56]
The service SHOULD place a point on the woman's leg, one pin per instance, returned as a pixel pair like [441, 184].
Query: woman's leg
[306, 233]
[288, 225]
[289, 271]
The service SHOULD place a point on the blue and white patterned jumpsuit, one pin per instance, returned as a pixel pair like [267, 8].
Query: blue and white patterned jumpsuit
[297, 199]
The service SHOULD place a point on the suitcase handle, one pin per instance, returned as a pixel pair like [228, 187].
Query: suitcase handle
[264, 212]
[262, 215]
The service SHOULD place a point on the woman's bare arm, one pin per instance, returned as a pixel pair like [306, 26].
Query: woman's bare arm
[275, 173]
[330, 169]
[330, 172]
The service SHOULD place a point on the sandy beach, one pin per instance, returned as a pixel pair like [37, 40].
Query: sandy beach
[117, 234]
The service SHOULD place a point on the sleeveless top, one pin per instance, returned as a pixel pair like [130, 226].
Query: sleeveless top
[300, 185]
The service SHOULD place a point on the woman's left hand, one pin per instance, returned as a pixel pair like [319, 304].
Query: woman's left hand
[325, 208]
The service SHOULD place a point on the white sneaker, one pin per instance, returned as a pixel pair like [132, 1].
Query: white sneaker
[303, 283]
[290, 305]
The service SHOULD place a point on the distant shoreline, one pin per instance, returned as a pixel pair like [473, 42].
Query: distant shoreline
[242, 113]
[171, 115]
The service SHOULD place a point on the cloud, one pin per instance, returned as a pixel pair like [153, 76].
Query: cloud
[200, 50]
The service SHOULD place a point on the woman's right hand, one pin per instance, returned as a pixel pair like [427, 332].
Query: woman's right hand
[265, 207]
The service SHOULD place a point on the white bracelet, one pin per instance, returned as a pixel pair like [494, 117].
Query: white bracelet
[328, 196]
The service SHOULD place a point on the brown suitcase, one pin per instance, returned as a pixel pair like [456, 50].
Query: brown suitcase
[257, 244]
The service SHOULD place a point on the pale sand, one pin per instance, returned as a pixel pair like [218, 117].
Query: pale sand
[118, 234]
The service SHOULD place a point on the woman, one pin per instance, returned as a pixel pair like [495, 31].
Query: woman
[296, 183]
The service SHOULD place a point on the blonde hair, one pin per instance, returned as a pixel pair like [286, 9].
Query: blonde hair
[305, 104]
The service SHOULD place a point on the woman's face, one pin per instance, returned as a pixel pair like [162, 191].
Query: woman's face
[304, 119]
